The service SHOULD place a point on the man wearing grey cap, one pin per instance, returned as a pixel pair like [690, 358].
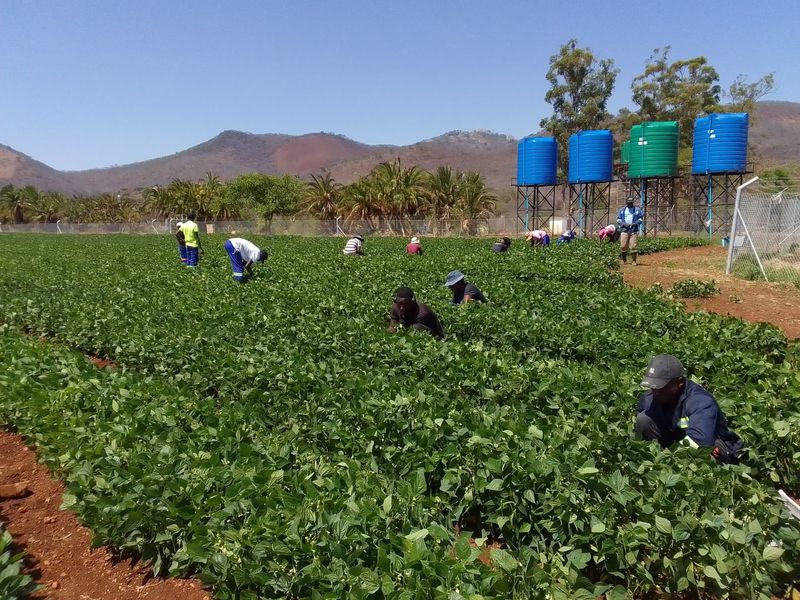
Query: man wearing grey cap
[676, 409]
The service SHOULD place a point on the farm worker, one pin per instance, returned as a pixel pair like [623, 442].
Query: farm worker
[502, 245]
[608, 233]
[181, 242]
[191, 235]
[566, 237]
[538, 237]
[407, 312]
[629, 220]
[463, 291]
[354, 246]
[675, 409]
[243, 255]
[414, 247]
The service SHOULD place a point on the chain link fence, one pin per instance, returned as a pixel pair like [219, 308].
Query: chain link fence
[764, 243]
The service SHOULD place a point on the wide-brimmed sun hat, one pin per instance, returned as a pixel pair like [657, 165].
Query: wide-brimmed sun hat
[415, 240]
[453, 277]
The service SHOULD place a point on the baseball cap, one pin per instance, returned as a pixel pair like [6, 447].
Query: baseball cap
[662, 369]
[404, 293]
[453, 277]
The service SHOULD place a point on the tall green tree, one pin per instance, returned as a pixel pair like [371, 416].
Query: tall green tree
[676, 91]
[743, 95]
[270, 195]
[580, 86]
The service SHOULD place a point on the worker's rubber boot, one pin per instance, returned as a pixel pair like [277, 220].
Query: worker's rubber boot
[624, 256]
[633, 256]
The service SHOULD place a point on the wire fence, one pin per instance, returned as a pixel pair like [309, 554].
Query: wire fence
[765, 236]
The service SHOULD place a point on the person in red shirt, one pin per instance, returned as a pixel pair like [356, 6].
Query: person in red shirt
[414, 247]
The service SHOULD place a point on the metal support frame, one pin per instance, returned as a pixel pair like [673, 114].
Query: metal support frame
[589, 206]
[536, 206]
[657, 199]
[716, 194]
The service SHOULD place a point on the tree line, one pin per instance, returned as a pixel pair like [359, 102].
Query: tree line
[680, 90]
[580, 87]
[385, 198]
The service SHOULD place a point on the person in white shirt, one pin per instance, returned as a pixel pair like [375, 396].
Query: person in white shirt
[243, 255]
[354, 246]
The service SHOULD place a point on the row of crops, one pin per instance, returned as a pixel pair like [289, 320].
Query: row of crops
[275, 439]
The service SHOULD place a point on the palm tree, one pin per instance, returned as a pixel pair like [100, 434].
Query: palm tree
[13, 199]
[399, 191]
[322, 197]
[359, 202]
[442, 191]
[43, 208]
[475, 201]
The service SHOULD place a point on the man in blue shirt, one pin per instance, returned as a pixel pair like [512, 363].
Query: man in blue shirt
[676, 409]
[629, 221]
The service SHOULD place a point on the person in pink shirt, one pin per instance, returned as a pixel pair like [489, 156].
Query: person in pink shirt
[538, 237]
[414, 247]
[608, 233]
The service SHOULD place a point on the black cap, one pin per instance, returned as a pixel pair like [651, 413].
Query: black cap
[404, 292]
[662, 369]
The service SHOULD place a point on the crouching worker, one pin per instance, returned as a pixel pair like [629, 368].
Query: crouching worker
[463, 291]
[538, 237]
[675, 409]
[407, 312]
[501, 245]
[243, 255]
[414, 247]
[566, 237]
[608, 233]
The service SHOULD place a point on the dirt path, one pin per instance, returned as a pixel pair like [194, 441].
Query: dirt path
[58, 548]
[752, 301]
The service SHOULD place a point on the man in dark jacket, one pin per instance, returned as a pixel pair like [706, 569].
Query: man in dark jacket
[407, 312]
[676, 409]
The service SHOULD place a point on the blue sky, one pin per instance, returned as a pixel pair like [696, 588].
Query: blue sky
[89, 84]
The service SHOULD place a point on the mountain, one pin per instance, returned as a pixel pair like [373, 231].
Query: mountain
[775, 138]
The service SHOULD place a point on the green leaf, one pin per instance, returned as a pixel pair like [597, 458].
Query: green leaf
[387, 504]
[772, 553]
[597, 525]
[495, 485]
[663, 525]
[419, 534]
[503, 559]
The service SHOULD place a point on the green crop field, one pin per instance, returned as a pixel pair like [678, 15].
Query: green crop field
[273, 438]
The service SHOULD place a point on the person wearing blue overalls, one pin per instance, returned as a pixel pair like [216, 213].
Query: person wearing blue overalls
[629, 220]
[191, 236]
[243, 255]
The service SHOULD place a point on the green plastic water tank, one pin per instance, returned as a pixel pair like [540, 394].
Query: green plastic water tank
[653, 150]
[625, 152]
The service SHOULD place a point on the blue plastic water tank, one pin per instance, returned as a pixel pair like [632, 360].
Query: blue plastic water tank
[537, 158]
[720, 144]
[591, 156]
